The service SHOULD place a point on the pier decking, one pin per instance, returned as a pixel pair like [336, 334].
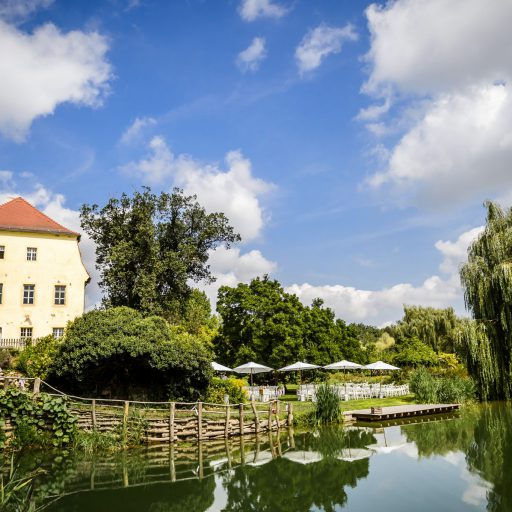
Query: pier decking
[401, 411]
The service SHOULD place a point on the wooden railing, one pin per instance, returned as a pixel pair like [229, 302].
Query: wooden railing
[167, 421]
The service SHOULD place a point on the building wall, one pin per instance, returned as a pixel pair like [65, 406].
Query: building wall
[58, 263]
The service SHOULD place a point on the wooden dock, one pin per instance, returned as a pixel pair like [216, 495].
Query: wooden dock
[401, 411]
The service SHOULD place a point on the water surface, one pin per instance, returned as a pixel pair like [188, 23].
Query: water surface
[462, 462]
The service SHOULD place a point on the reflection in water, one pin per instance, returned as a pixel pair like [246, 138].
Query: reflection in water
[464, 462]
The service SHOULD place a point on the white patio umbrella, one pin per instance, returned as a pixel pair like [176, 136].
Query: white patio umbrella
[220, 368]
[298, 367]
[380, 366]
[352, 454]
[252, 368]
[303, 457]
[343, 365]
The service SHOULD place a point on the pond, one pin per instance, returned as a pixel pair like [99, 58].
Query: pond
[461, 462]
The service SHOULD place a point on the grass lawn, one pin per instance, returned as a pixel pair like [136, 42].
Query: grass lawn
[351, 405]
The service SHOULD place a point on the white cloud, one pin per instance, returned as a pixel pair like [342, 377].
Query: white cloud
[459, 150]
[251, 10]
[14, 10]
[374, 111]
[381, 307]
[439, 45]
[251, 58]
[133, 132]
[321, 42]
[452, 61]
[46, 68]
[230, 267]
[235, 191]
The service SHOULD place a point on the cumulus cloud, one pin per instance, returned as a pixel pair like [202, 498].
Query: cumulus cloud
[134, 131]
[439, 45]
[17, 10]
[321, 42]
[46, 68]
[251, 10]
[231, 266]
[251, 58]
[234, 191]
[452, 60]
[381, 307]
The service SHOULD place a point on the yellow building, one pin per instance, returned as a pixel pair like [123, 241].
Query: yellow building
[42, 277]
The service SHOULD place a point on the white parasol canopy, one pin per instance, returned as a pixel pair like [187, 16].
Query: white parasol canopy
[381, 366]
[352, 454]
[252, 368]
[303, 457]
[220, 368]
[343, 365]
[299, 365]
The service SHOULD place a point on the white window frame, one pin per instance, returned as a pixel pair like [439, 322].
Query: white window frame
[31, 253]
[58, 332]
[60, 299]
[24, 333]
[29, 295]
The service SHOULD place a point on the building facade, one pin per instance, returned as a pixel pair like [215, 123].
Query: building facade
[42, 276]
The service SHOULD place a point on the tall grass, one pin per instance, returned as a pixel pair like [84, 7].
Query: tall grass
[327, 406]
[430, 389]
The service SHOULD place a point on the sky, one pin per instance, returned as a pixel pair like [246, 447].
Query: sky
[351, 144]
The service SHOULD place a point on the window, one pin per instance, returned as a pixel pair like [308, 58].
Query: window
[26, 333]
[1, 292]
[28, 293]
[60, 295]
[31, 253]
[58, 332]
[2, 252]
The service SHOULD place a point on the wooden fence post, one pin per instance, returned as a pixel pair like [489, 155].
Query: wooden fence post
[93, 414]
[172, 407]
[256, 418]
[227, 425]
[277, 414]
[199, 420]
[37, 386]
[270, 416]
[241, 410]
[125, 419]
[289, 419]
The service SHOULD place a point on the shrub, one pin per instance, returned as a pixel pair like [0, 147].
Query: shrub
[327, 405]
[232, 387]
[35, 360]
[119, 353]
[430, 389]
[6, 358]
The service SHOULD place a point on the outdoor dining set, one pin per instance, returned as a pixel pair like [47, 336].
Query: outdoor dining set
[346, 391]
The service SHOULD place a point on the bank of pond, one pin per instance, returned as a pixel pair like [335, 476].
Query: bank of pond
[460, 461]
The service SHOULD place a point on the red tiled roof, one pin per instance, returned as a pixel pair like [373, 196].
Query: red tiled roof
[20, 215]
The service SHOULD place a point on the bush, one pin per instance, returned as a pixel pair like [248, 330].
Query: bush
[327, 405]
[35, 360]
[232, 387]
[6, 358]
[119, 353]
[430, 389]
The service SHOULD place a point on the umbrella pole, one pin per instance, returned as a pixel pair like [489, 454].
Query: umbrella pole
[251, 377]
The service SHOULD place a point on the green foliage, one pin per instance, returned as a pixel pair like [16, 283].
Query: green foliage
[7, 358]
[384, 342]
[122, 354]
[36, 359]
[232, 387]
[434, 327]
[412, 353]
[327, 405]
[261, 322]
[430, 389]
[486, 278]
[149, 247]
[37, 419]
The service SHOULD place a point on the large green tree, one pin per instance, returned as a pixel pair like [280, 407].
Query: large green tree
[487, 282]
[261, 321]
[149, 247]
[120, 353]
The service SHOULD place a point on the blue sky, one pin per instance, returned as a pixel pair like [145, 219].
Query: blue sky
[352, 145]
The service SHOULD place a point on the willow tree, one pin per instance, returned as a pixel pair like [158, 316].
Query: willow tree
[487, 282]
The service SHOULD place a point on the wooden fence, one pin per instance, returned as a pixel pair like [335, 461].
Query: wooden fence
[167, 422]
